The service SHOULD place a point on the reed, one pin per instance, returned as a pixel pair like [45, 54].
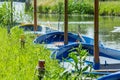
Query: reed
[81, 7]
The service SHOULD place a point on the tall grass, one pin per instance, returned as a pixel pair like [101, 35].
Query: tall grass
[110, 8]
[80, 7]
[20, 64]
[5, 14]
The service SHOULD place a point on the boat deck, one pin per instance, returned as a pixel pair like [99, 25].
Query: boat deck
[107, 63]
[110, 66]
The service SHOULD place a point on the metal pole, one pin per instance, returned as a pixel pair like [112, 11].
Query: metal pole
[96, 35]
[35, 15]
[66, 22]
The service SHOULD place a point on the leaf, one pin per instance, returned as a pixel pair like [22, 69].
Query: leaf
[74, 57]
[85, 68]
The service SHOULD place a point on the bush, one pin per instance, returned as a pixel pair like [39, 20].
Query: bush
[5, 14]
[109, 8]
[83, 7]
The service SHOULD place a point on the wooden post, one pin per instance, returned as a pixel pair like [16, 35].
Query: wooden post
[41, 69]
[96, 35]
[35, 15]
[22, 40]
[66, 22]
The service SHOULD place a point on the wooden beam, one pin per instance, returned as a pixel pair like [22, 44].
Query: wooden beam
[96, 35]
[35, 15]
[66, 22]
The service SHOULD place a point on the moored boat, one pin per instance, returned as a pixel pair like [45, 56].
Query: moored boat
[56, 39]
[41, 29]
[112, 76]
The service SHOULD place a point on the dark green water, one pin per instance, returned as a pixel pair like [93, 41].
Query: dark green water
[84, 25]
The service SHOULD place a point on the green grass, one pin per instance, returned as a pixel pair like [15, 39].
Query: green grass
[20, 64]
[110, 8]
[81, 7]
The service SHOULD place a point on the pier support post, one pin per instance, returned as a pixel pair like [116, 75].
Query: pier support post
[35, 15]
[96, 35]
[66, 22]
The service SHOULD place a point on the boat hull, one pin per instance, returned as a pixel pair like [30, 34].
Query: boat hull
[64, 51]
[74, 40]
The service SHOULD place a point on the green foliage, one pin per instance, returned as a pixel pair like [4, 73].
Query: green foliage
[79, 57]
[5, 14]
[20, 63]
[73, 7]
[107, 7]
[112, 8]
[84, 8]
[44, 9]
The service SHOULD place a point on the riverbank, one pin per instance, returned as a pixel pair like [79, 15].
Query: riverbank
[111, 8]
[19, 62]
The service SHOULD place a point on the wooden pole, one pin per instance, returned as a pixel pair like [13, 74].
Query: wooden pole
[35, 15]
[96, 35]
[66, 22]
[41, 69]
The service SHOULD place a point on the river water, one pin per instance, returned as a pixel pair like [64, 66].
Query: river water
[85, 25]
[109, 26]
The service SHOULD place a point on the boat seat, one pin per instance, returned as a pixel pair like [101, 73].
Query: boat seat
[58, 44]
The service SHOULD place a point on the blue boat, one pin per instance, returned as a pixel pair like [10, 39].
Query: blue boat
[41, 29]
[74, 40]
[112, 76]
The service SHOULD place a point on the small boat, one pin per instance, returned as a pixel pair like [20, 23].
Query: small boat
[112, 76]
[41, 29]
[56, 39]
[58, 36]
[103, 51]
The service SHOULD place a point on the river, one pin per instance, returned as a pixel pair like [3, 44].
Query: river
[85, 25]
[78, 23]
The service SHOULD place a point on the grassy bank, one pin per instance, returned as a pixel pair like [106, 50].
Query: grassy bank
[80, 7]
[20, 64]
